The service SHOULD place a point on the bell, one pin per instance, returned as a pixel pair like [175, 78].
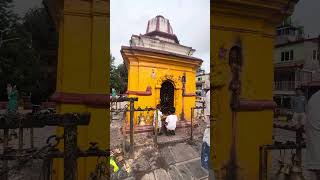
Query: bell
[283, 172]
[296, 170]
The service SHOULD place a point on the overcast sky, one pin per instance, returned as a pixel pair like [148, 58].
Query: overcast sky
[189, 20]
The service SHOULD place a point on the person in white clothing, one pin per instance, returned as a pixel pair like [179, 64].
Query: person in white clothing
[205, 153]
[171, 122]
[157, 119]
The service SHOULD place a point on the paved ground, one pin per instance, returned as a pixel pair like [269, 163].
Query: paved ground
[173, 159]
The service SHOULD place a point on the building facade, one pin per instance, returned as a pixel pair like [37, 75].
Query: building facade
[296, 63]
[202, 83]
[161, 70]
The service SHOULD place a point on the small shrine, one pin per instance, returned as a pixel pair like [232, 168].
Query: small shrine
[160, 71]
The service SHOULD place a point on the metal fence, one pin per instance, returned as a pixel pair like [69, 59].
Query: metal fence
[70, 123]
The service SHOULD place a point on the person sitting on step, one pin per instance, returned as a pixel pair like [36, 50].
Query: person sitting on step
[171, 122]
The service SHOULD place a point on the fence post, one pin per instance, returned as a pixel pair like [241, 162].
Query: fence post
[131, 126]
[70, 151]
[299, 138]
[156, 128]
[191, 130]
[31, 138]
[5, 148]
[20, 139]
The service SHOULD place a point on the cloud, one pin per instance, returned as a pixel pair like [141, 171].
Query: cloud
[190, 22]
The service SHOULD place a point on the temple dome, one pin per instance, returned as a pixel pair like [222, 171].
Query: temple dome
[159, 27]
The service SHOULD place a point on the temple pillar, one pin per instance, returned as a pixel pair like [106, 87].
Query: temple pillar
[242, 42]
[83, 73]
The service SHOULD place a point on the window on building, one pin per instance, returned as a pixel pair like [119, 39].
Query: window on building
[287, 56]
[314, 56]
[291, 54]
[282, 56]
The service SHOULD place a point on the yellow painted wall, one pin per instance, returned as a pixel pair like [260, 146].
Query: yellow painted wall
[140, 67]
[240, 21]
[83, 67]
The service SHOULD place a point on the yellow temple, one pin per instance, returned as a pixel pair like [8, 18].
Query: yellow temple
[242, 41]
[161, 70]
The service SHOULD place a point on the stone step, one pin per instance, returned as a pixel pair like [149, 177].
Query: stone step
[161, 174]
[149, 176]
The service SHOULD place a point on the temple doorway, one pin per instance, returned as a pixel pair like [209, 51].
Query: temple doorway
[166, 96]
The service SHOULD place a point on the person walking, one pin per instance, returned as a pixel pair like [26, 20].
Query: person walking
[299, 107]
[12, 98]
[312, 130]
[12, 103]
[205, 152]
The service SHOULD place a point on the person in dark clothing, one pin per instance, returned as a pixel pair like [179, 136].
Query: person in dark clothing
[36, 98]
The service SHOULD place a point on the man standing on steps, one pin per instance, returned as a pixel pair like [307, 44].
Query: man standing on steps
[299, 107]
[205, 153]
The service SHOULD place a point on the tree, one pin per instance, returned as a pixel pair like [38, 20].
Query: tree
[123, 78]
[23, 61]
[45, 42]
[118, 76]
[18, 61]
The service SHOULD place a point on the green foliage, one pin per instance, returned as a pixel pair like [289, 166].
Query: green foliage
[45, 42]
[118, 76]
[21, 60]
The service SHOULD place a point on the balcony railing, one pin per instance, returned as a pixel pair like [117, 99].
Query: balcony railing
[286, 85]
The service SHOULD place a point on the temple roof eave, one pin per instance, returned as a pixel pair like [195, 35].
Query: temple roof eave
[126, 50]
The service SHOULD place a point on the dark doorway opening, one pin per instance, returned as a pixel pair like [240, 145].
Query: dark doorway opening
[166, 96]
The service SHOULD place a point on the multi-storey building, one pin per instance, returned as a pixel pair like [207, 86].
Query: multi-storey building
[296, 63]
[202, 83]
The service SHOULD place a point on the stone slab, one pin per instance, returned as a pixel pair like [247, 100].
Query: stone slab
[166, 154]
[196, 170]
[185, 173]
[174, 173]
[149, 176]
[161, 174]
[130, 178]
[183, 152]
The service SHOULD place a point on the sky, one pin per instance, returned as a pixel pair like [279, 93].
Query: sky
[189, 20]
[307, 13]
